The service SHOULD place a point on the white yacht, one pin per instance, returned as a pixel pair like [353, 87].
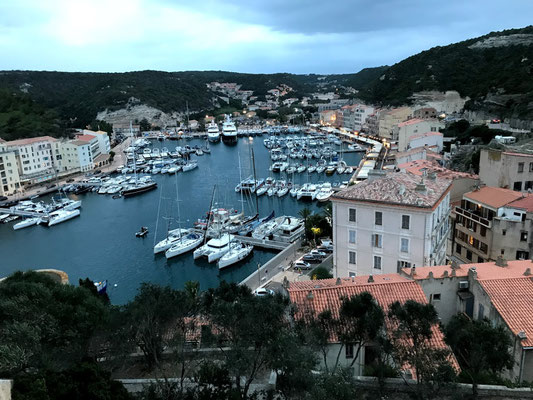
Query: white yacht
[264, 230]
[62, 215]
[189, 166]
[325, 192]
[214, 248]
[229, 132]
[290, 230]
[173, 236]
[184, 244]
[27, 222]
[213, 133]
[237, 252]
[307, 192]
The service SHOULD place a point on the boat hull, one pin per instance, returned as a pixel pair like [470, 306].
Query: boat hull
[229, 139]
[139, 190]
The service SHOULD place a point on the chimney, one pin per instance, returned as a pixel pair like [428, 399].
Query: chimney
[413, 271]
[401, 191]
[338, 282]
[527, 272]
[310, 295]
[433, 175]
[370, 279]
[472, 272]
[421, 187]
[430, 275]
[374, 174]
[453, 273]
[522, 335]
[445, 274]
[500, 261]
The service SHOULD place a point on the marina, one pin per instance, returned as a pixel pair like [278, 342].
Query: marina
[101, 244]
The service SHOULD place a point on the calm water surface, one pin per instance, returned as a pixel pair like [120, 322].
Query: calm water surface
[101, 243]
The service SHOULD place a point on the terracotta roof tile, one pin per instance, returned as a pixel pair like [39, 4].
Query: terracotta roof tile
[488, 270]
[422, 135]
[525, 202]
[492, 196]
[397, 189]
[513, 299]
[416, 167]
[411, 122]
[22, 142]
[85, 138]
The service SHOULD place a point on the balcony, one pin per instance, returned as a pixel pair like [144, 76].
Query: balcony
[480, 220]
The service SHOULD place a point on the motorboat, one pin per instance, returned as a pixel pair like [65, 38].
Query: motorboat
[229, 132]
[272, 190]
[294, 190]
[189, 166]
[214, 248]
[27, 222]
[301, 168]
[142, 232]
[348, 170]
[311, 168]
[289, 230]
[184, 244]
[138, 188]
[283, 190]
[213, 133]
[237, 252]
[62, 215]
[262, 190]
[325, 192]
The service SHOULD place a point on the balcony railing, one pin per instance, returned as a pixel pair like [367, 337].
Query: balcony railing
[480, 220]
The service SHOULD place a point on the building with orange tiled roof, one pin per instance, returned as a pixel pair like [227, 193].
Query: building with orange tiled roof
[462, 182]
[501, 291]
[420, 153]
[387, 120]
[389, 222]
[313, 297]
[506, 169]
[492, 222]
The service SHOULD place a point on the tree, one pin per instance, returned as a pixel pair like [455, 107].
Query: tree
[246, 329]
[321, 273]
[144, 125]
[100, 125]
[45, 324]
[414, 324]
[304, 213]
[481, 348]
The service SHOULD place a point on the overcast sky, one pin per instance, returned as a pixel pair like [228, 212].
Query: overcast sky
[299, 36]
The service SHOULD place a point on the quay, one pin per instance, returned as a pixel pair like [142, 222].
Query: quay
[264, 243]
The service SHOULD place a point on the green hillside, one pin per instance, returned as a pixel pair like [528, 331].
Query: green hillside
[473, 72]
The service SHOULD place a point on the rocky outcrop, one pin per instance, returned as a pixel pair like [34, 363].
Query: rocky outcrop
[139, 112]
[504, 41]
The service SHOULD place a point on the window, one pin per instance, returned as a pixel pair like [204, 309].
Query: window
[529, 184]
[458, 248]
[351, 237]
[406, 221]
[351, 274]
[520, 167]
[517, 186]
[434, 297]
[349, 350]
[403, 264]
[522, 255]
[480, 259]
[523, 236]
[469, 255]
[378, 218]
[404, 245]
[352, 215]
[483, 247]
[351, 257]
[502, 252]
[377, 240]
[531, 167]
[504, 232]
[481, 311]
[377, 262]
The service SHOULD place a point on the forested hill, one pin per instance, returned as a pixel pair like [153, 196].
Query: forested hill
[495, 70]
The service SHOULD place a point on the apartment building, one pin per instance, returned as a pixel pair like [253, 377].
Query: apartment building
[501, 291]
[9, 176]
[388, 119]
[354, 116]
[35, 158]
[104, 146]
[490, 223]
[403, 131]
[387, 223]
[432, 140]
[506, 169]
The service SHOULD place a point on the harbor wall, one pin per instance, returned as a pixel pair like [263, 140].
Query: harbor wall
[271, 268]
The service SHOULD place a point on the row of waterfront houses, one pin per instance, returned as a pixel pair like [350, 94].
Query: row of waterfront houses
[29, 161]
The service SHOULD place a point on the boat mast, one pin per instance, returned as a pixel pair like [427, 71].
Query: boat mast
[209, 213]
[134, 157]
[179, 215]
[255, 182]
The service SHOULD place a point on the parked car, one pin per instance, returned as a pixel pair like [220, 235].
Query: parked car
[3, 198]
[53, 185]
[318, 254]
[301, 264]
[263, 292]
[309, 258]
[325, 249]
[70, 180]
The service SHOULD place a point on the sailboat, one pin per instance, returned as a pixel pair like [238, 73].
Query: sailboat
[139, 185]
[238, 251]
[186, 241]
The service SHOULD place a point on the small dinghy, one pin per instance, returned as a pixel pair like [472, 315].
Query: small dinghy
[143, 232]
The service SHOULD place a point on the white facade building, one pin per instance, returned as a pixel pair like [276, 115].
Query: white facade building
[384, 224]
[9, 176]
[405, 130]
[432, 140]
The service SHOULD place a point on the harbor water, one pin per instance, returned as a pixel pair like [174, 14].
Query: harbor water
[101, 243]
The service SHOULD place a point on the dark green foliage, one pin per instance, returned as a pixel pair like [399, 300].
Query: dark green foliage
[472, 72]
[338, 386]
[483, 350]
[144, 125]
[83, 381]
[99, 125]
[321, 273]
[45, 324]
[89, 284]
[21, 117]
